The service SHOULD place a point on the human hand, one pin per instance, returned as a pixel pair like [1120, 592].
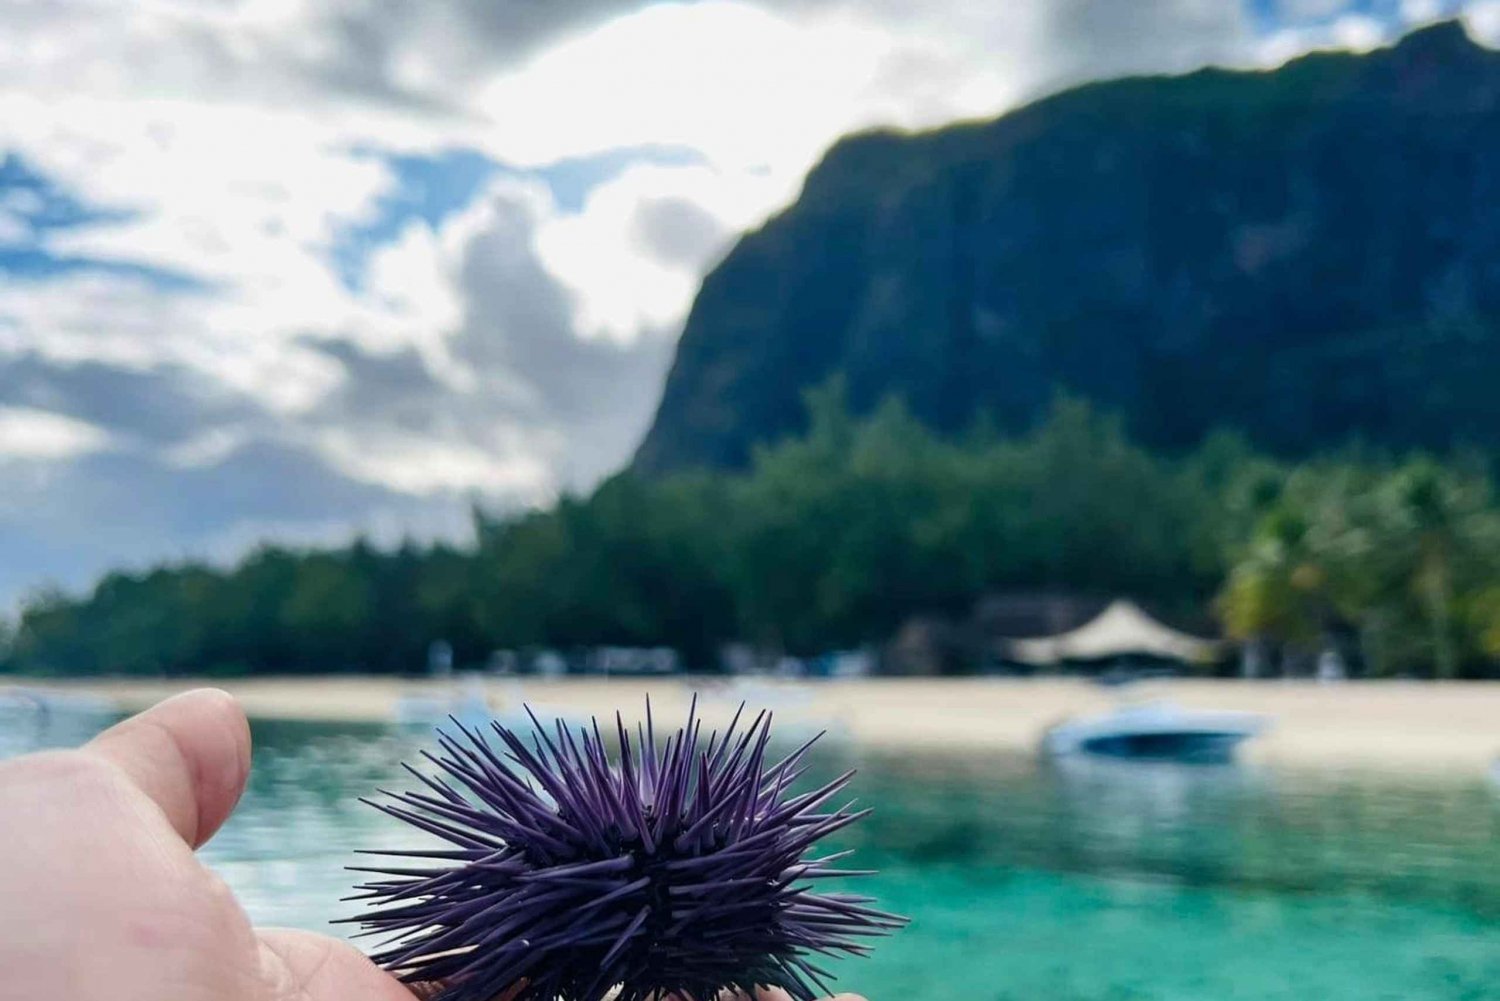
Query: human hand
[102, 898]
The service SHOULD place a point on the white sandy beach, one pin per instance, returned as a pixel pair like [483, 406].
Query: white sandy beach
[1406, 725]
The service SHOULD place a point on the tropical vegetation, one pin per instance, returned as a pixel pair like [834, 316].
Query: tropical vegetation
[833, 539]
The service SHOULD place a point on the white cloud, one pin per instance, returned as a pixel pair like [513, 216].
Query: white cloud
[26, 433]
[129, 321]
[413, 299]
[743, 84]
[418, 464]
[1420, 11]
[516, 348]
[206, 449]
[1359, 32]
[614, 261]
[1483, 20]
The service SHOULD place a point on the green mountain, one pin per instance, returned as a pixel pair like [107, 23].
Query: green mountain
[1309, 254]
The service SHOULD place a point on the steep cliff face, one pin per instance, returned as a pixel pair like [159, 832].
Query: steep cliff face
[1308, 254]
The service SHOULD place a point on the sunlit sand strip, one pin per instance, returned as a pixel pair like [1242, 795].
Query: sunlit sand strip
[1408, 725]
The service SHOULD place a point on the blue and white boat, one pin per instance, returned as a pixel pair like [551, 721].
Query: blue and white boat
[1156, 731]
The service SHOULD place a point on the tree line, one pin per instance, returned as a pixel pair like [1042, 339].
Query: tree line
[833, 539]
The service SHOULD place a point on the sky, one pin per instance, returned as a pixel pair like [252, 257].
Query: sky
[309, 269]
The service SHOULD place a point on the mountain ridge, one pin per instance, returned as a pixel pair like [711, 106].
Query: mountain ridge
[1307, 254]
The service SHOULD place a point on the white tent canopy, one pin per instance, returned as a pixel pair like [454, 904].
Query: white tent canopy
[1121, 630]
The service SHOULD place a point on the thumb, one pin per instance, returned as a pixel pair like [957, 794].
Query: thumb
[189, 754]
[313, 968]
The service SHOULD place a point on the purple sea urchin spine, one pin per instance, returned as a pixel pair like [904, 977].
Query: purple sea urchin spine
[681, 869]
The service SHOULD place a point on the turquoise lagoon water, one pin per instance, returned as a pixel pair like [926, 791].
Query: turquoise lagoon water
[1100, 880]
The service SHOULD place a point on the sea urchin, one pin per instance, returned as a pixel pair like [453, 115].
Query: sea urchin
[683, 870]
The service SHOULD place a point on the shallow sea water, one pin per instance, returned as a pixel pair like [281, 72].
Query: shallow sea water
[1026, 881]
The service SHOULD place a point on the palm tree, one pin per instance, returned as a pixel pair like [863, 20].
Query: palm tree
[1275, 590]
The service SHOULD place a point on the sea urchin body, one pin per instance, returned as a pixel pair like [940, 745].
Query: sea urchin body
[685, 869]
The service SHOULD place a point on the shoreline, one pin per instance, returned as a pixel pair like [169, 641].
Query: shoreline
[1404, 725]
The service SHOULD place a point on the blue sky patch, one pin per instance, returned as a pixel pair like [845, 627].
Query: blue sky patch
[1273, 15]
[428, 189]
[28, 196]
[431, 188]
[571, 180]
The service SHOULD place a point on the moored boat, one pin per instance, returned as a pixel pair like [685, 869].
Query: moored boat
[1159, 731]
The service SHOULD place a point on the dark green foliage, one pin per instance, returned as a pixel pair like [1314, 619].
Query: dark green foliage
[830, 541]
[1404, 555]
[279, 610]
[1306, 255]
[835, 539]
[635, 564]
[845, 532]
